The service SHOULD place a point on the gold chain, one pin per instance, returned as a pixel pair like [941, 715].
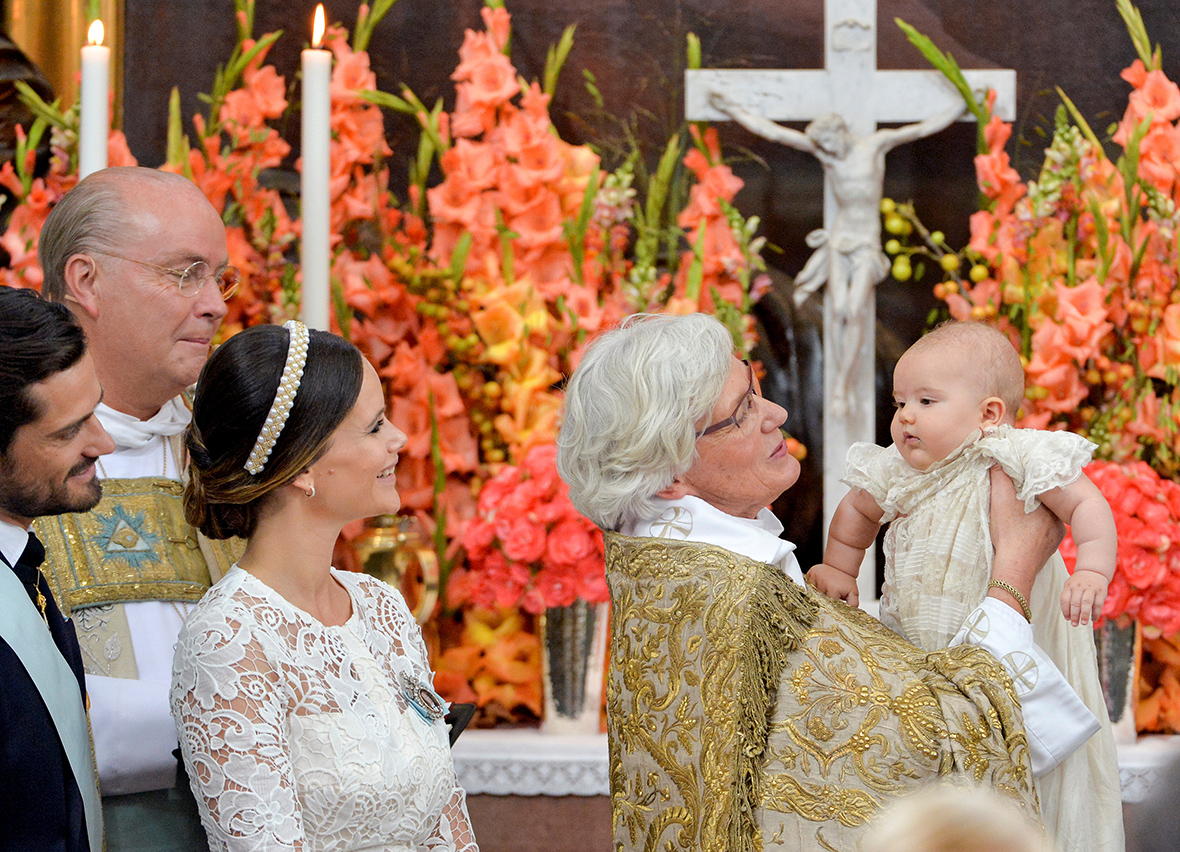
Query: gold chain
[1015, 593]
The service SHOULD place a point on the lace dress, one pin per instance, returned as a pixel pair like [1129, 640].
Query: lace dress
[301, 736]
[938, 560]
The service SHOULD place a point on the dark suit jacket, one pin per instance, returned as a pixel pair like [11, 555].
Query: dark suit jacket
[40, 804]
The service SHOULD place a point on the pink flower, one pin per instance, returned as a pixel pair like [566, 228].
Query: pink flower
[568, 543]
[525, 542]
[558, 585]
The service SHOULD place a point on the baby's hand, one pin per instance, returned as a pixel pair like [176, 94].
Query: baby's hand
[834, 583]
[1084, 594]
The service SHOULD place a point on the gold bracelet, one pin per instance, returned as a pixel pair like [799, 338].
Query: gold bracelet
[1012, 590]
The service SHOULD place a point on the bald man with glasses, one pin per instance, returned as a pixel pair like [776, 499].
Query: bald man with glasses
[140, 257]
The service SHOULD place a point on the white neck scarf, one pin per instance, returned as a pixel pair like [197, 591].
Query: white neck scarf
[692, 519]
[131, 433]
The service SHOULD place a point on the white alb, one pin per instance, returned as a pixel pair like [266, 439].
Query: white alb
[297, 735]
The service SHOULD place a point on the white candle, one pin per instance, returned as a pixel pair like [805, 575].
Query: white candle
[317, 137]
[94, 119]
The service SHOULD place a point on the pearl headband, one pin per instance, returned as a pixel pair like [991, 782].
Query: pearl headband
[284, 397]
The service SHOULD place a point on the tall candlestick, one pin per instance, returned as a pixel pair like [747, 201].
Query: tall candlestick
[94, 118]
[315, 206]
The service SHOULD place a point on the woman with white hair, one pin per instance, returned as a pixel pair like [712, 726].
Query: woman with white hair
[746, 710]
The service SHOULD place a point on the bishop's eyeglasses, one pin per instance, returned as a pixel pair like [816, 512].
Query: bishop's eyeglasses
[743, 407]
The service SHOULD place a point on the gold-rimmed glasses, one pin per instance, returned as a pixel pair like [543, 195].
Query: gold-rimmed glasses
[740, 412]
[191, 279]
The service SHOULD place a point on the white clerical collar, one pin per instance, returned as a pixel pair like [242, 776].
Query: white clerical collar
[131, 433]
[692, 519]
[12, 541]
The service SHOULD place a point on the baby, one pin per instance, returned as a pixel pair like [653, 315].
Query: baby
[957, 391]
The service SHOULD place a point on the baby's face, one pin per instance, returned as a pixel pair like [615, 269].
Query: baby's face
[936, 405]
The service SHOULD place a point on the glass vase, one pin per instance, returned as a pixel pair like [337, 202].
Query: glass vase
[573, 653]
[1118, 659]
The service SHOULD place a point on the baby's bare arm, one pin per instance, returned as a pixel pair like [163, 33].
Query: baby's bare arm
[853, 530]
[1081, 505]
[1088, 514]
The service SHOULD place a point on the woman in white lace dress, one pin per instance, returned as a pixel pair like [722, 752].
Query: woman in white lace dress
[302, 694]
[956, 392]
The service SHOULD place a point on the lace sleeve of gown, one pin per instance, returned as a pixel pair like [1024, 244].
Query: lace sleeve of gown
[1038, 460]
[454, 827]
[454, 830]
[228, 702]
[873, 469]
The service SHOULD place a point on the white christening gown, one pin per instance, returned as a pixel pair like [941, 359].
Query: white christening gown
[938, 560]
[301, 736]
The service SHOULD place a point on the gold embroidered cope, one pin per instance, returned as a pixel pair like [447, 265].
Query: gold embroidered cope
[747, 712]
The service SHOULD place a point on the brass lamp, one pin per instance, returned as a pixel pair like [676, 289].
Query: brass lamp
[396, 549]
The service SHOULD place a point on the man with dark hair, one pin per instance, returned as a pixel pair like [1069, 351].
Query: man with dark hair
[139, 255]
[50, 441]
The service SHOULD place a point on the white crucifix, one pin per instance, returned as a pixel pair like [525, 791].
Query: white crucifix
[844, 101]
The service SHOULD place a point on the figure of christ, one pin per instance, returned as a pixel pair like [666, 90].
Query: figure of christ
[848, 256]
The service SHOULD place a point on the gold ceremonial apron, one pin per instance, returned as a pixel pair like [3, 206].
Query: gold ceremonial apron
[135, 545]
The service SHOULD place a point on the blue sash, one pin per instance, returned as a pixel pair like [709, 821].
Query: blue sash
[25, 632]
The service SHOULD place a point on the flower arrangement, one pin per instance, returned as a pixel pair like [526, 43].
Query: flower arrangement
[1146, 507]
[472, 296]
[528, 545]
[1080, 268]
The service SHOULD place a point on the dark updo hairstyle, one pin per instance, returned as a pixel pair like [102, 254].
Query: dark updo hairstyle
[234, 396]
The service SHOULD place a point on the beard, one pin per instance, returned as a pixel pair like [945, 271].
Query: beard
[30, 496]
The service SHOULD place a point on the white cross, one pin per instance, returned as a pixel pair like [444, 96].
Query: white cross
[1024, 671]
[676, 520]
[850, 85]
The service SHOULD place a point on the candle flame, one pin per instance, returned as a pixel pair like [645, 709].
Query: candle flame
[95, 33]
[317, 30]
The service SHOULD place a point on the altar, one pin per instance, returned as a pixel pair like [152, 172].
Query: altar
[533, 792]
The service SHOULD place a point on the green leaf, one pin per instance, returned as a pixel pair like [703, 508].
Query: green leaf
[945, 63]
[556, 59]
[657, 190]
[592, 88]
[1102, 232]
[696, 270]
[366, 23]
[576, 235]
[24, 170]
[506, 254]
[178, 146]
[437, 509]
[246, 26]
[234, 69]
[692, 60]
[1134, 21]
[385, 99]
[340, 306]
[421, 169]
[52, 113]
[1081, 122]
[459, 257]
